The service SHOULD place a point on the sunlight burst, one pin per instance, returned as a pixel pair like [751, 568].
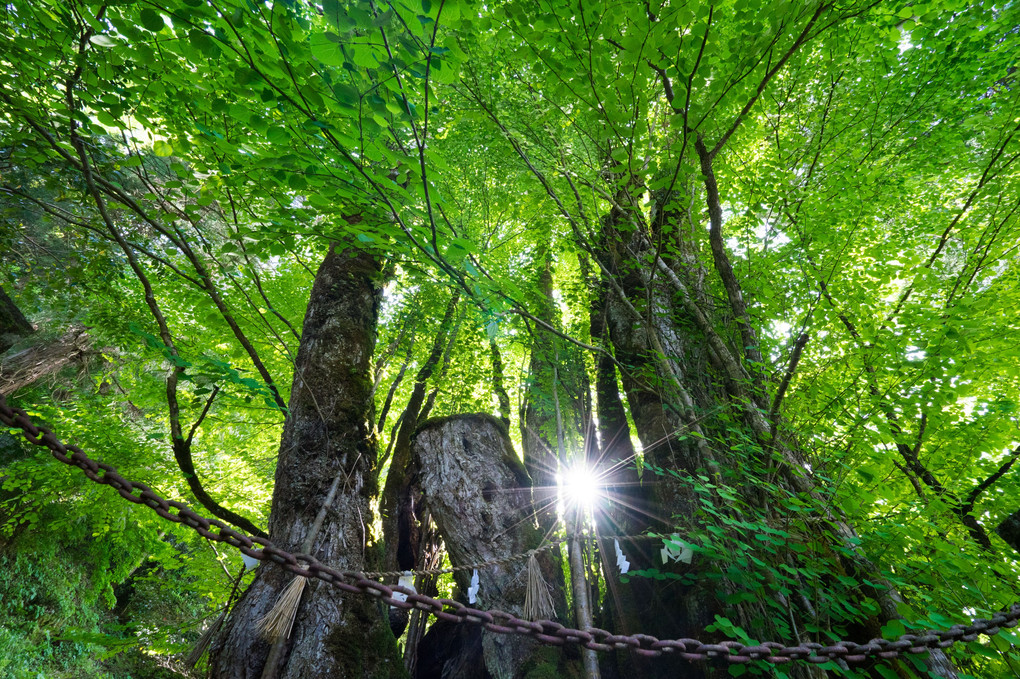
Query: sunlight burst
[579, 487]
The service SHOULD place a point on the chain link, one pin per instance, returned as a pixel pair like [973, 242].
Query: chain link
[544, 631]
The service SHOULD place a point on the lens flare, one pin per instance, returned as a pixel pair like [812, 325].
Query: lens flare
[579, 487]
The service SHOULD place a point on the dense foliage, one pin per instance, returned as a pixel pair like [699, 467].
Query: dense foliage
[173, 171]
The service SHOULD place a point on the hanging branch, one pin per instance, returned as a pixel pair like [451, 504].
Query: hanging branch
[181, 446]
[99, 185]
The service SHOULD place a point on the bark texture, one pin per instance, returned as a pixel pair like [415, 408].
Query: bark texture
[13, 324]
[43, 360]
[657, 345]
[328, 431]
[556, 409]
[696, 400]
[538, 412]
[479, 494]
[1009, 530]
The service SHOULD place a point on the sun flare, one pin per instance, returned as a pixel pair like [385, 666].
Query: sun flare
[579, 487]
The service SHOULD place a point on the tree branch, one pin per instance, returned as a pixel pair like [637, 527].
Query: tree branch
[752, 352]
[972, 497]
[798, 348]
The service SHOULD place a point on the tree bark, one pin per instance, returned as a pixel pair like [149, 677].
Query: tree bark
[695, 404]
[1009, 530]
[624, 509]
[13, 324]
[328, 431]
[498, 386]
[664, 424]
[538, 414]
[30, 365]
[479, 494]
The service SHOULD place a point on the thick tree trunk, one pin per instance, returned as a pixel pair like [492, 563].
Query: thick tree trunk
[641, 325]
[13, 324]
[696, 406]
[1009, 530]
[30, 365]
[328, 432]
[479, 494]
[625, 508]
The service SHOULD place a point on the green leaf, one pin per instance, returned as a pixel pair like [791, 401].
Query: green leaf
[152, 20]
[326, 48]
[162, 148]
[101, 40]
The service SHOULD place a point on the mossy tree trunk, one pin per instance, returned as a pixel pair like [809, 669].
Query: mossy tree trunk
[538, 412]
[556, 410]
[645, 328]
[328, 431]
[400, 518]
[692, 374]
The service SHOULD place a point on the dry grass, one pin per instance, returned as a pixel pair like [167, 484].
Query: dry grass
[538, 603]
[278, 622]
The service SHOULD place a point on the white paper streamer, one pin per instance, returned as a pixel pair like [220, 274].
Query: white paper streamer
[406, 580]
[676, 550]
[621, 560]
[473, 589]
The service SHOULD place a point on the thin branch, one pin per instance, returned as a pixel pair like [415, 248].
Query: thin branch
[801, 39]
[205, 411]
[752, 352]
[798, 348]
[972, 497]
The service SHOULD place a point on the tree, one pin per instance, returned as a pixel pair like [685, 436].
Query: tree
[753, 261]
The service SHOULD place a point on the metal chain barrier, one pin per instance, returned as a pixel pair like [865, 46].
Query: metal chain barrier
[545, 631]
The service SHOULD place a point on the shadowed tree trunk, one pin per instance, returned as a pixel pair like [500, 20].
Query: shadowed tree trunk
[556, 411]
[1009, 530]
[479, 494]
[643, 326]
[328, 431]
[13, 324]
[624, 508]
[538, 413]
[692, 379]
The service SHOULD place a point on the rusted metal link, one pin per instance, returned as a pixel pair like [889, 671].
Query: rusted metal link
[544, 631]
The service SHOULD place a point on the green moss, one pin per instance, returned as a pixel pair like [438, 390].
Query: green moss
[548, 662]
[373, 655]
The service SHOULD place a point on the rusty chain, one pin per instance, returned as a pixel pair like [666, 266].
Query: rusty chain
[501, 622]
